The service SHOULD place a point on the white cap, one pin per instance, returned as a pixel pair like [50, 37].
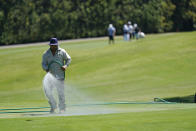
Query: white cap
[125, 26]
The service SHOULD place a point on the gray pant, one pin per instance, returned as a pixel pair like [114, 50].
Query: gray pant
[49, 86]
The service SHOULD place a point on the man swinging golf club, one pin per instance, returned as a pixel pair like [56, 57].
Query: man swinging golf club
[55, 61]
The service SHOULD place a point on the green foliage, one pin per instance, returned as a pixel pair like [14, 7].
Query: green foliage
[24, 21]
[184, 15]
[152, 16]
[167, 12]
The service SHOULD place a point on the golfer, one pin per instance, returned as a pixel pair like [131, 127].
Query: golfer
[56, 61]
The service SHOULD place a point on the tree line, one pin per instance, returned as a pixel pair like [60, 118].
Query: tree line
[23, 21]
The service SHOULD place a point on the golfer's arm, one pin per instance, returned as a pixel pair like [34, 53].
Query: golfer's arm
[67, 59]
[44, 64]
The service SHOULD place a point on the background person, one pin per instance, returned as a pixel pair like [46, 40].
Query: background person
[136, 28]
[111, 33]
[130, 30]
[125, 32]
[56, 60]
[141, 34]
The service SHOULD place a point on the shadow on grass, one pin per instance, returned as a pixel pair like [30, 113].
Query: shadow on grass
[183, 99]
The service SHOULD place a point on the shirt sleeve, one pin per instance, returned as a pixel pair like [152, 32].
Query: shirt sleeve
[67, 58]
[44, 63]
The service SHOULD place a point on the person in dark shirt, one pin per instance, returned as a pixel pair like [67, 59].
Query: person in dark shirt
[136, 31]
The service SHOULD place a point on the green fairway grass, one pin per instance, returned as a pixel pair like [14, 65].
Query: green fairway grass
[160, 65]
[173, 120]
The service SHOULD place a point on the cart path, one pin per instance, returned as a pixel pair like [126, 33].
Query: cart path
[46, 42]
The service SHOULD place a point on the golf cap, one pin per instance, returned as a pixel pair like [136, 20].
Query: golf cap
[53, 41]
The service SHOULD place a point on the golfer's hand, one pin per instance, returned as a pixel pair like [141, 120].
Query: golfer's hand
[64, 67]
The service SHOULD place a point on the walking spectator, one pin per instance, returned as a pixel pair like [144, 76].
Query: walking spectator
[111, 33]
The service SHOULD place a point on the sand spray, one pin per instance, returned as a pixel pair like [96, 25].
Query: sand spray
[73, 97]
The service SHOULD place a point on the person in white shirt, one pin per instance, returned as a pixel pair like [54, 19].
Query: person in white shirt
[125, 32]
[130, 29]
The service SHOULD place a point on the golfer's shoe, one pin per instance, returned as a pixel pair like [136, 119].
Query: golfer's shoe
[62, 111]
[52, 110]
